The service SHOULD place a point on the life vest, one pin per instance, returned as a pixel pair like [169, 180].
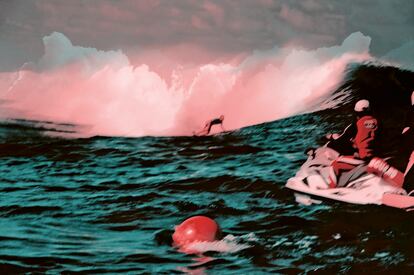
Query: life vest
[367, 127]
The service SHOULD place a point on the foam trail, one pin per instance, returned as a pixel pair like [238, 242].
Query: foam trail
[102, 90]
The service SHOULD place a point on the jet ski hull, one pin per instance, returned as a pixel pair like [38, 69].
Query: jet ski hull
[367, 188]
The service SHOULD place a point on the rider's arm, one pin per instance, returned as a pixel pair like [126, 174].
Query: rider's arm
[348, 133]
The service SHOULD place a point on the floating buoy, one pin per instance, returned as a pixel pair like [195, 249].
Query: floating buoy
[197, 228]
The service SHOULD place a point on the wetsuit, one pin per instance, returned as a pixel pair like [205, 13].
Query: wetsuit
[363, 142]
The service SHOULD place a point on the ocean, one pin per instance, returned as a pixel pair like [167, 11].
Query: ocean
[108, 205]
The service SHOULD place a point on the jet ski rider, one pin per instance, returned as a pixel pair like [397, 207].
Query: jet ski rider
[362, 135]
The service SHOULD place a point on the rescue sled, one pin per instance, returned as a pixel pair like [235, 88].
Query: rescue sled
[361, 185]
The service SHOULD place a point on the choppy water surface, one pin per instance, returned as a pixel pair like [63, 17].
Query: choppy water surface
[109, 205]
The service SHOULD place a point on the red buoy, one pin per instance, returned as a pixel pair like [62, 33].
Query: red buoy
[197, 228]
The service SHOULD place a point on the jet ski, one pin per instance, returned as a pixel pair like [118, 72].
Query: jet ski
[361, 185]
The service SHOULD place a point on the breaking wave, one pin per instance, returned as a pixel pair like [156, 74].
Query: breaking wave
[106, 95]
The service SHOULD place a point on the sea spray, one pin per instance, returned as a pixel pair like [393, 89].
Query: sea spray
[103, 91]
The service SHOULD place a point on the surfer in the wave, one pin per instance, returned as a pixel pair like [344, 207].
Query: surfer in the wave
[362, 135]
[207, 127]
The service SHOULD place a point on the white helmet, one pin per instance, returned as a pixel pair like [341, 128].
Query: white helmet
[361, 106]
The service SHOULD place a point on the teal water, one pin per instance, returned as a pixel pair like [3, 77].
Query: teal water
[109, 205]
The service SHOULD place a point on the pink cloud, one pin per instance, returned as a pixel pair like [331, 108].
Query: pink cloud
[198, 23]
[297, 18]
[214, 10]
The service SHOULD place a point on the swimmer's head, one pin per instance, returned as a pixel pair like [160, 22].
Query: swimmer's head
[196, 229]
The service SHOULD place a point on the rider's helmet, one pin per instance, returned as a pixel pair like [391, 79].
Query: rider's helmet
[362, 106]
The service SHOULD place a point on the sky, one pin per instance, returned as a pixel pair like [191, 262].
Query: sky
[165, 67]
[199, 31]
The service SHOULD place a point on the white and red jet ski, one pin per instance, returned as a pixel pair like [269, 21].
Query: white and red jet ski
[375, 183]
